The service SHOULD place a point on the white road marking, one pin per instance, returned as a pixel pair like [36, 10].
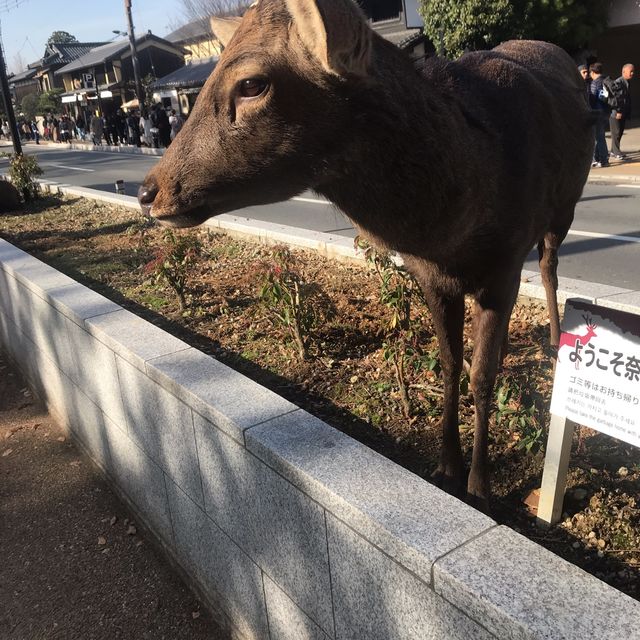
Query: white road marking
[608, 236]
[628, 186]
[297, 199]
[64, 166]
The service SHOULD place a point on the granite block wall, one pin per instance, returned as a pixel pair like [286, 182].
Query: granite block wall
[291, 528]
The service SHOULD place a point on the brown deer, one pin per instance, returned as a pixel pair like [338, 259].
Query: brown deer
[461, 167]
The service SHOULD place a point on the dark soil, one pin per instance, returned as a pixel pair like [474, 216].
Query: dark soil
[74, 564]
[346, 379]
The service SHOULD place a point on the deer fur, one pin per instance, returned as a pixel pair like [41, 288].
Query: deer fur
[461, 167]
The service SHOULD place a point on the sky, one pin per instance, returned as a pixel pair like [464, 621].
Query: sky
[27, 24]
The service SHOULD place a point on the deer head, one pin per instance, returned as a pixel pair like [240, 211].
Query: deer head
[268, 120]
[591, 327]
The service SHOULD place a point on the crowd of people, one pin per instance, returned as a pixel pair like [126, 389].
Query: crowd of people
[150, 127]
[611, 100]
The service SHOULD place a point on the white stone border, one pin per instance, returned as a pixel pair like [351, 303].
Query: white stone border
[292, 528]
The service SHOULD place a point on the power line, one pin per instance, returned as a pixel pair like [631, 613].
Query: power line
[10, 5]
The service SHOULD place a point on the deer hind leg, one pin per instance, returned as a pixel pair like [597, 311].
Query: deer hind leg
[493, 309]
[548, 260]
[448, 319]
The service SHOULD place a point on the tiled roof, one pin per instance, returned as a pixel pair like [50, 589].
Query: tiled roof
[194, 74]
[59, 53]
[106, 52]
[22, 76]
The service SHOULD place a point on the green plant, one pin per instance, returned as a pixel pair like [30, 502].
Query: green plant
[289, 299]
[458, 25]
[398, 292]
[139, 229]
[50, 101]
[173, 260]
[518, 413]
[29, 106]
[22, 171]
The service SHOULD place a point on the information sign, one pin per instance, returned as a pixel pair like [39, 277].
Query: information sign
[596, 384]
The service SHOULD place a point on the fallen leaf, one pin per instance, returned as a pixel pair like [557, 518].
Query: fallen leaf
[102, 540]
[61, 439]
[195, 614]
[6, 452]
[532, 501]
[113, 520]
[75, 463]
[131, 530]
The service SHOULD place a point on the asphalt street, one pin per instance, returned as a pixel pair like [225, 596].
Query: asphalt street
[603, 245]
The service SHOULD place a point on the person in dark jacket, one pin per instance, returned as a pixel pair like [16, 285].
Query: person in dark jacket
[584, 72]
[599, 104]
[622, 109]
[160, 121]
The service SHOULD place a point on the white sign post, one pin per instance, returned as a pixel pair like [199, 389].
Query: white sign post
[596, 384]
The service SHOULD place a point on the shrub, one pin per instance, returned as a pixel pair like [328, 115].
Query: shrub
[291, 301]
[173, 260]
[398, 292]
[22, 170]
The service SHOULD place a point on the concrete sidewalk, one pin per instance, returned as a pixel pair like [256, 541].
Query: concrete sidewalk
[74, 561]
[627, 170]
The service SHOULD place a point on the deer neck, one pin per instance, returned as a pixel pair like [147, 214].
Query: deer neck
[400, 176]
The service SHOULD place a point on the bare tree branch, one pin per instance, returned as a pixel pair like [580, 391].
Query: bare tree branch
[202, 10]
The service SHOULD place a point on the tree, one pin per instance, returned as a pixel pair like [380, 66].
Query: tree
[50, 101]
[568, 23]
[202, 10]
[458, 25]
[29, 106]
[61, 37]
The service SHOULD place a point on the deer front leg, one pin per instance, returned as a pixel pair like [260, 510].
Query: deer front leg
[448, 318]
[491, 322]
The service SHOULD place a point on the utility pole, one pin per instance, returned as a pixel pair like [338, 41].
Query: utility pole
[6, 94]
[134, 53]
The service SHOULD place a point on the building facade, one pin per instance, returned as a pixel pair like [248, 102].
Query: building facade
[103, 80]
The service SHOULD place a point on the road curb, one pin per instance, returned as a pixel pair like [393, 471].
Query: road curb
[342, 248]
[76, 146]
[611, 177]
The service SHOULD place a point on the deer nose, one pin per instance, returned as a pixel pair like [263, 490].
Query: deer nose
[146, 195]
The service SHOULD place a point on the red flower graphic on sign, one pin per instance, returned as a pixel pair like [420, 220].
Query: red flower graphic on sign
[573, 340]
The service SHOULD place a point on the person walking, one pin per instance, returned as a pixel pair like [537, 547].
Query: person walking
[175, 122]
[133, 126]
[145, 128]
[160, 122]
[622, 110]
[35, 131]
[96, 127]
[598, 102]
[584, 72]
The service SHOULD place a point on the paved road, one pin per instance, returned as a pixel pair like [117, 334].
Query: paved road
[603, 245]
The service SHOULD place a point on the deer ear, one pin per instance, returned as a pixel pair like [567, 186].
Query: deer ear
[224, 28]
[336, 32]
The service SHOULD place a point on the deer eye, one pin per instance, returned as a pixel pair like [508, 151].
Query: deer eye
[253, 87]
